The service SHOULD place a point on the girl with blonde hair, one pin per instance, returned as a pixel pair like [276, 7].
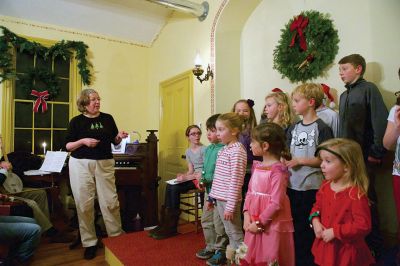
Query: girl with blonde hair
[277, 109]
[230, 169]
[341, 216]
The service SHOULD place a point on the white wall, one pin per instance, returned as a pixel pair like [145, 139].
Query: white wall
[366, 27]
[227, 55]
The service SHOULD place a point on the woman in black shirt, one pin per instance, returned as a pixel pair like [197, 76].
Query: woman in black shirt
[91, 168]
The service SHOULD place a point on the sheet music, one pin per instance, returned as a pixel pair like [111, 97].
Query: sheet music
[54, 161]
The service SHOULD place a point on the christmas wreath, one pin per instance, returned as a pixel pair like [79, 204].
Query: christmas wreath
[41, 84]
[308, 44]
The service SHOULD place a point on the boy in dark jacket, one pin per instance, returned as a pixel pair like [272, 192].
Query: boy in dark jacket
[362, 117]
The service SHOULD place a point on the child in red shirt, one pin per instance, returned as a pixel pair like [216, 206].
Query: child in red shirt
[341, 215]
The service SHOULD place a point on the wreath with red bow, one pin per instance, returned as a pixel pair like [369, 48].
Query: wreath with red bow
[308, 44]
[41, 84]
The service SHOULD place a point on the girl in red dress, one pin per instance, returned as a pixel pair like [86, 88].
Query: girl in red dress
[268, 220]
[340, 216]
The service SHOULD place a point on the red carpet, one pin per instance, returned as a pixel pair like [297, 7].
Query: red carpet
[140, 249]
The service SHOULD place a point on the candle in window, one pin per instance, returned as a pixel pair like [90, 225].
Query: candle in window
[44, 148]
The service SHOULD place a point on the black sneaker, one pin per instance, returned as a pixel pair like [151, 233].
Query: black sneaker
[90, 252]
[204, 254]
[219, 258]
[155, 230]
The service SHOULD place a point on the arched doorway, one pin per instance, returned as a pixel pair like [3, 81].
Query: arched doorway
[226, 42]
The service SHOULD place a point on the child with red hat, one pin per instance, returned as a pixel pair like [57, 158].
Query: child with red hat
[327, 114]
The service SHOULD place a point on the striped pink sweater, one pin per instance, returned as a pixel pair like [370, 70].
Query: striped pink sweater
[229, 173]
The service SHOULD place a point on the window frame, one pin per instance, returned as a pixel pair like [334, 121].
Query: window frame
[8, 112]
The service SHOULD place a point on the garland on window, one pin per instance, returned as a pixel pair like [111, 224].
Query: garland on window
[308, 44]
[61, 49]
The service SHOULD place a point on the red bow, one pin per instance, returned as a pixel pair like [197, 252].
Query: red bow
[41, 100]
[298, 25]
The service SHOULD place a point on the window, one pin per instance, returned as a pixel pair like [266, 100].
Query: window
[32, 129]
[21, 128]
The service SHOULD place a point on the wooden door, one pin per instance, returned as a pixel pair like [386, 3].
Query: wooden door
[176, 113]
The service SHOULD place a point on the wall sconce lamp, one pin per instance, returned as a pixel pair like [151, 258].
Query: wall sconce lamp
[198, 70]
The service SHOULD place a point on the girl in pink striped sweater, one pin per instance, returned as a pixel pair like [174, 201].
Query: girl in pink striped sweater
[229, 173]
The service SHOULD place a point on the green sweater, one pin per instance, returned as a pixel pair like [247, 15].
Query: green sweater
[210, 159]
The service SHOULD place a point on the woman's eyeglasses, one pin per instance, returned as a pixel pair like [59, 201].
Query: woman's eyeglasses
[195, 134]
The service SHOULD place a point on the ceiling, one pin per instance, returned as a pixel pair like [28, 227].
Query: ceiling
[136, 21]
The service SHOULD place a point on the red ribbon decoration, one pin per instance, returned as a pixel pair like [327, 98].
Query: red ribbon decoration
[276, 90]
[41, 100]
[298, 25]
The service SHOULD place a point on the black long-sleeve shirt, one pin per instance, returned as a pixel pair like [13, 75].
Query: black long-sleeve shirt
[102, 128]
[363, 115]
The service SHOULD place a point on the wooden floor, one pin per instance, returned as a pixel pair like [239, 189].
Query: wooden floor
[49, 254]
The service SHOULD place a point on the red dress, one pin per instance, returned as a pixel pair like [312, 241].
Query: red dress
[266, 201]
[349, 216]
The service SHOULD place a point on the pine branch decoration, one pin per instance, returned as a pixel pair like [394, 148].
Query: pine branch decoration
[62, 49]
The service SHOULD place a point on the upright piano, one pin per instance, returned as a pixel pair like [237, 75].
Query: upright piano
[136, 174]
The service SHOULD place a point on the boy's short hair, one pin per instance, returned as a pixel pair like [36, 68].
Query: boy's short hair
[356, 60]
[310, 91]
[210, 123]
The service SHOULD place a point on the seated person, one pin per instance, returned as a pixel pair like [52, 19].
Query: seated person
[22, 234]
[170, 211]
[22, 161]
[37, 200]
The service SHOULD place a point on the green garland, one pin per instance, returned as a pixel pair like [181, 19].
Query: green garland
[61, 49]
[47, 78]
[322, 46]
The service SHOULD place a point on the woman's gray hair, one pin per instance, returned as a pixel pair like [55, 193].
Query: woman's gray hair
[84, 99]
